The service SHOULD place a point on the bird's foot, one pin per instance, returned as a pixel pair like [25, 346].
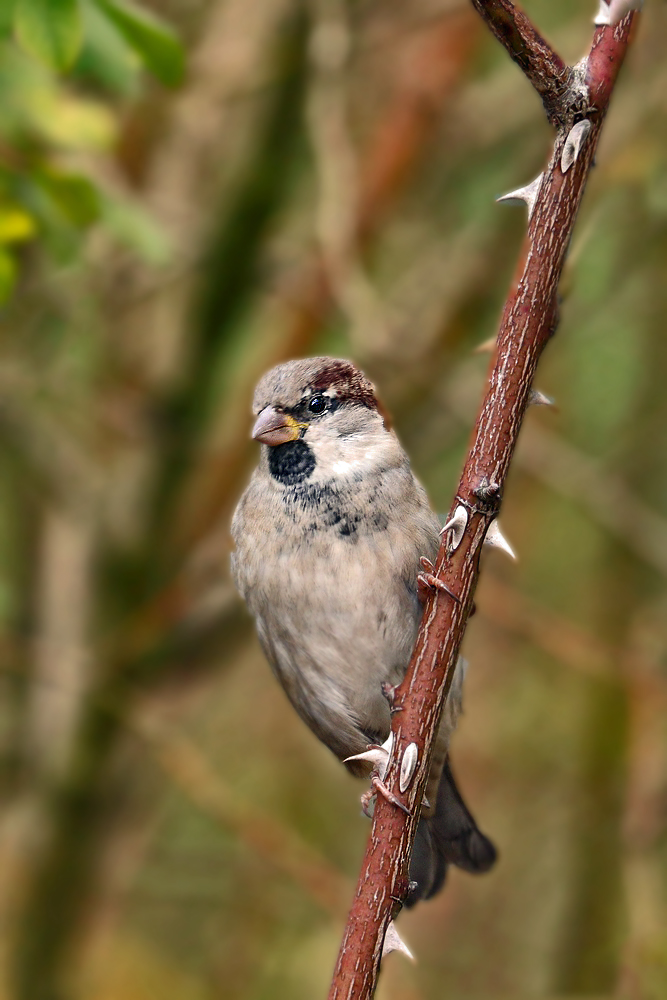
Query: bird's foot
[368, 803]
[379, 786]
[428, 582]
[423, 589]
[389, 691]
[378, 756]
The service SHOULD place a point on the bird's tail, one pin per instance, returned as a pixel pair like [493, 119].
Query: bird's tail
[448, 836]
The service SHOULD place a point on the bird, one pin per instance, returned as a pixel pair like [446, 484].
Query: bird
[328, 536]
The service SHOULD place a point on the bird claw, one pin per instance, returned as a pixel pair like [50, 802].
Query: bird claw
[379, 757]
[423, 590]
[427, 582]
[379, 786]
[368, 803]
[389, 691]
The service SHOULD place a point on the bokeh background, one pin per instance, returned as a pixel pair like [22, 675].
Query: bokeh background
[189, 202]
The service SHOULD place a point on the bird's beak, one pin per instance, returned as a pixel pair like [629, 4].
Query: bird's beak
[273, 427]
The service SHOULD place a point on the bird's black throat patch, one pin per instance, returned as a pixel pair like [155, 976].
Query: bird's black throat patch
[291, 463]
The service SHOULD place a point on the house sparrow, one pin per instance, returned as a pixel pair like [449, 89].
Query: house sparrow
[329, 535]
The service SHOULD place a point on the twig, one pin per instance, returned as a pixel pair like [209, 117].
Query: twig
[528, 322]
[547, 72]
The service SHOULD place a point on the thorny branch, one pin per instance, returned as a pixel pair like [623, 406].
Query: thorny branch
[576, 100]
[547, 72]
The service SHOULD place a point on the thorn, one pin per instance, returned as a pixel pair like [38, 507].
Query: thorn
[496, 540]
[486, 347]
[408, 765]
[527, 194]
[394, 942]
[615, 11]
[426, 563]
[537, 398]
[602, 16]
[456, 525]
[378, 785]
[376, 755]
[573, 144]
[425, 802]
[431, 582]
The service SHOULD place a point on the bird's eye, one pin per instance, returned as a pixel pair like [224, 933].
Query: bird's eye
[317, 404]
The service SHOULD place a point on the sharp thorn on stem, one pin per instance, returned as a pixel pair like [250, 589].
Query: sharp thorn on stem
[394, 942]
[527, 195]
[376, 755]
[573, 144]
[496, 540]
[614, 11]
[486, 347]
[408, 765]
[537, 398]
[602, 16]
[456, 527]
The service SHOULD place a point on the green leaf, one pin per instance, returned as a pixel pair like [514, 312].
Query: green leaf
[153, 41]
[106, 60]
[50, 30]
[75, 196]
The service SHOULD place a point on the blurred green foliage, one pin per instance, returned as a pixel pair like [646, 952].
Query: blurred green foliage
[321, 180]
[49, 126]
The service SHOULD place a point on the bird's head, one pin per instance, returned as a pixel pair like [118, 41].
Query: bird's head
[318, 413]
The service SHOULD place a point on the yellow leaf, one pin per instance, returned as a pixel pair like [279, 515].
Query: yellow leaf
[16, 226]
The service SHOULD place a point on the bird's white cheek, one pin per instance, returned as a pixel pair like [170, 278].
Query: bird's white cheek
[365, 460]
[340, 468]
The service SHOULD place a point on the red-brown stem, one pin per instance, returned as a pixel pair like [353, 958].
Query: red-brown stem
[547, 72]
[528, 321]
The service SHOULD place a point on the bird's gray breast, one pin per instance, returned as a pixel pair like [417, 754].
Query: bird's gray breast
[349, 512]
[329, 570]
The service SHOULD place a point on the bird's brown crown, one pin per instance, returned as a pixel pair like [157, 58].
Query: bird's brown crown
[346, 381]
[285, 386]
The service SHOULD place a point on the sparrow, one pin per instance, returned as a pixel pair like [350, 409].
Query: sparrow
[328, 536]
